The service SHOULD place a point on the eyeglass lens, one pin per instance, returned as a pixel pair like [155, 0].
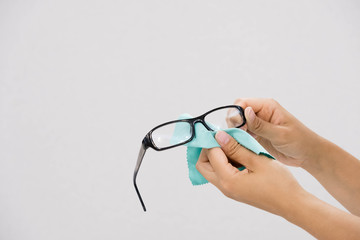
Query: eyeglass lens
[224, 118]
[171, 134]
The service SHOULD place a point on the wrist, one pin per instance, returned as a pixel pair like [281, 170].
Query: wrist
[320, 219]
[292, 206]
[316, 155]
[309, 213]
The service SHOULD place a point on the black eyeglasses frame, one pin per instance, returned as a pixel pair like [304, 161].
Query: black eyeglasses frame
[148, 141]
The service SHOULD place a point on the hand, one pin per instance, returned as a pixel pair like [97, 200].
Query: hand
[292, 143]
[265, 183]
[279, 132]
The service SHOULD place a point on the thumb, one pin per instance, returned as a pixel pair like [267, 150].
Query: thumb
[259, 126]
[234, 151]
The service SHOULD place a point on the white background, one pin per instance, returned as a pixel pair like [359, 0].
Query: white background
[82, 82]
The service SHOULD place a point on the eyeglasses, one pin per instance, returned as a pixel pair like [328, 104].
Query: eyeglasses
[162, 137]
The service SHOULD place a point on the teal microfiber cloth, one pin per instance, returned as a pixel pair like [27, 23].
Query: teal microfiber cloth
[206, 139]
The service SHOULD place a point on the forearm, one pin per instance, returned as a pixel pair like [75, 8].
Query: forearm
[339, 172]
[320, 219]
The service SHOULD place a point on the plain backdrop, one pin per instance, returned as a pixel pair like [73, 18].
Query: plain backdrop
[82, 82]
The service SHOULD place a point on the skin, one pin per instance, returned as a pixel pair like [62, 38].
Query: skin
[269, 185]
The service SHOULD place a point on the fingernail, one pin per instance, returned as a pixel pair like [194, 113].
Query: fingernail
[222, 137]
[249, 113]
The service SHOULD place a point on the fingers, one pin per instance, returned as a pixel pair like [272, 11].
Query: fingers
[221, 164]
[233, 118]
[256, 103]
[214, 166]
[259, 126]
[204, 167]
[234, 151]
[263, 107]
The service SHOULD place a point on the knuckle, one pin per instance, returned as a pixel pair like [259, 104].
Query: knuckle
[241, 102]
[197, 166]
[237, 101]
[284, 134]
[232, 149]
[227, 194]
[227, 188]
[273, 101]
[257, 125]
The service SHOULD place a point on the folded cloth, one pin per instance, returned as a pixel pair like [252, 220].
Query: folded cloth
[206, 139]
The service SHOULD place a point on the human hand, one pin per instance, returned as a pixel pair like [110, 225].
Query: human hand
[265, 183]
[279, 132]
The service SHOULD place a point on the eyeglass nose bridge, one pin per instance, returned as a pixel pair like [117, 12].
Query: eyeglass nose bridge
[202, 121]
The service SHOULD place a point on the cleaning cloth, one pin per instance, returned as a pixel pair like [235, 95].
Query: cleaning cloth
[206, 139]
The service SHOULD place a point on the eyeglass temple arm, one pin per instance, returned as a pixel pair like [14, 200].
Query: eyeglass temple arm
[138, 163]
